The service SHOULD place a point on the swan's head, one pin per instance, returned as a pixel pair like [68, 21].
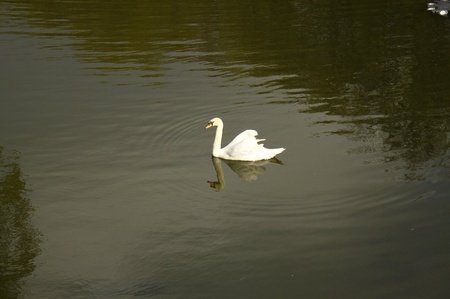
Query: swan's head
[214, 122]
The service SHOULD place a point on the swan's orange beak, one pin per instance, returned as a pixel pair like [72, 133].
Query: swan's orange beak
[209, 125]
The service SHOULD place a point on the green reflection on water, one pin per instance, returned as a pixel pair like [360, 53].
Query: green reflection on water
[19, 239]
[383, 73]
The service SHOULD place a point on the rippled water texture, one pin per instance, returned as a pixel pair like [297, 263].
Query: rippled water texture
[108, 188]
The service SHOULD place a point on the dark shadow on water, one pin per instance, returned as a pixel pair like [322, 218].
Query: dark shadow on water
[246, 170]
[19, 239]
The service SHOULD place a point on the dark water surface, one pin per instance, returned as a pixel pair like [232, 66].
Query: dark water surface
[105, 163]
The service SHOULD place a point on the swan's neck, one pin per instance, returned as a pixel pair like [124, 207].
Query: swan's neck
[217, 141]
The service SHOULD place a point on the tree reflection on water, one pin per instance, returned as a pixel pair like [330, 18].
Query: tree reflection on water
[412, 138]
[383, 76]
[19, 239]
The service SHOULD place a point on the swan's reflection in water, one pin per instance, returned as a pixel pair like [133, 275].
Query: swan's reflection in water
[248, 171]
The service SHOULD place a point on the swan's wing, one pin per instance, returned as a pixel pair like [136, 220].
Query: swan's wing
[243, 146]
[242, 136]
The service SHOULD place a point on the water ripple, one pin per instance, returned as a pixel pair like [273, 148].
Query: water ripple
[312, 209]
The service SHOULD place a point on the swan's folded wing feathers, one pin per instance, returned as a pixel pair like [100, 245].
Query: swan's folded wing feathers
[243, 147]
[242, 136]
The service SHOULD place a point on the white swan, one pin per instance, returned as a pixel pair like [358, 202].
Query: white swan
[244, 146]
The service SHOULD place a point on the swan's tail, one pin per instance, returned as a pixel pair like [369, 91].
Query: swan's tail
[272, 152]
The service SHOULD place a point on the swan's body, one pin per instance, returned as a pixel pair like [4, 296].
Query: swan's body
[244, 147]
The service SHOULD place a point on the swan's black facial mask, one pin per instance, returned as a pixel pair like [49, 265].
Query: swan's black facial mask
[209, 125]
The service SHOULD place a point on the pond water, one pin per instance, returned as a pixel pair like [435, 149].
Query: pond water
[108, 188]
